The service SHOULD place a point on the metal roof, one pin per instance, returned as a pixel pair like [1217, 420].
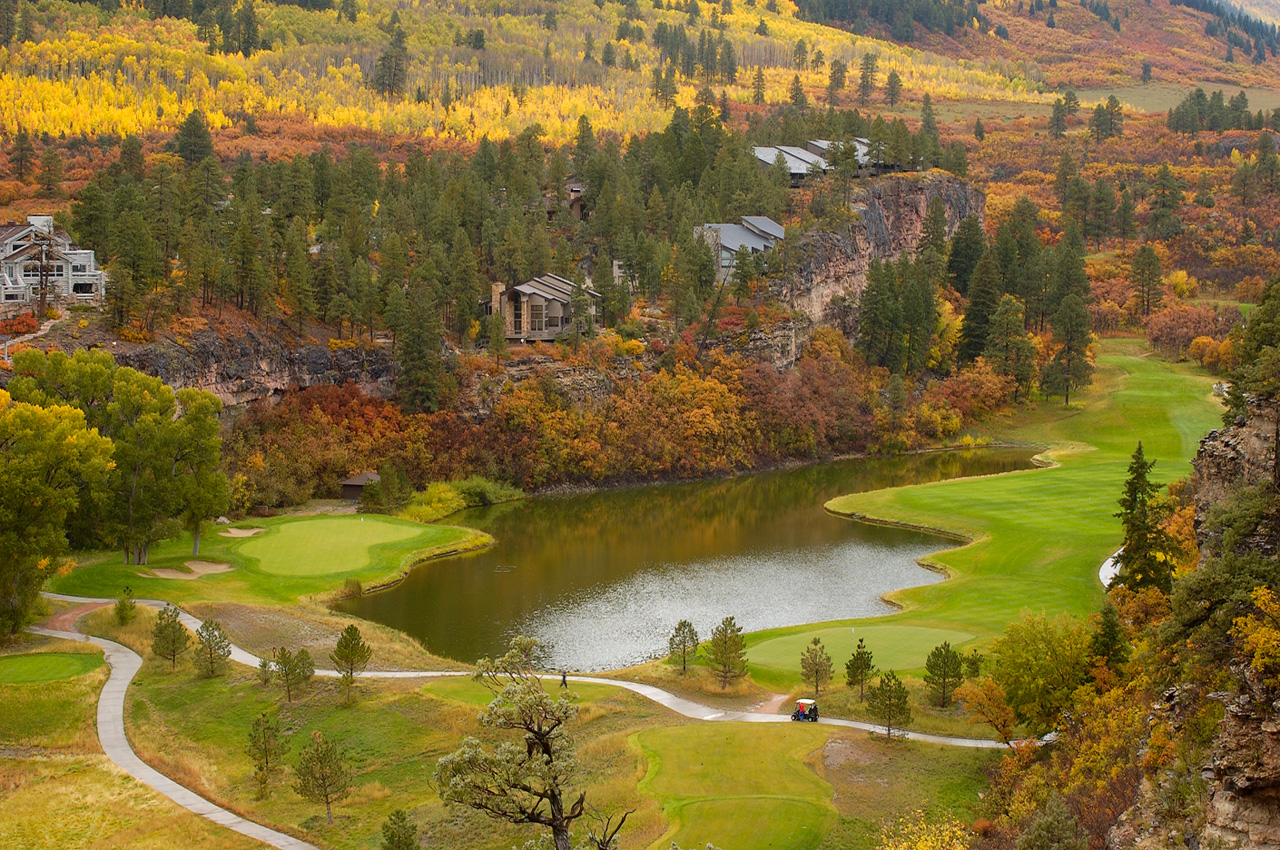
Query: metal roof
[765, 225]
[362, 479]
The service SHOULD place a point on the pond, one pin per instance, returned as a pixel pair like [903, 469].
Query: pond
[601, 578]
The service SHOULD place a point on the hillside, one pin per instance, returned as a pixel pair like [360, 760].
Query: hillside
[464, 71]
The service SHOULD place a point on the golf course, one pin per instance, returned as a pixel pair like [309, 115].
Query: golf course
[1036, 539]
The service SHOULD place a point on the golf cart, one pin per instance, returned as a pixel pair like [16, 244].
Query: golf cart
[806, 709]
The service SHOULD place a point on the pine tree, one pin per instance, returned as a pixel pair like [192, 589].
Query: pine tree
[1108, 642]
[1126, 225]
[322, 773]
[399, 833]
[1058, 119]
[1070, 367]
[1146, 276]
[1054, 829]
[889, 703]
[798, 98]
[292, 669]
[194, 142]
[815, 666]
[979, 132]
[867, 77]
[214, 649]
[967, 247]
[893, 89]
[726, 652]
[683, 640]
[1142, 561]
[169, 638]
[51, 174]
[1010, 350]
[944, 671]
[757, 86]
[859, 669]
[984, 297]
[266, 750]
[350, 657]
[22, 156]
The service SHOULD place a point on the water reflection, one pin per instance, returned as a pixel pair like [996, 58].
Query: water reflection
[601, 578]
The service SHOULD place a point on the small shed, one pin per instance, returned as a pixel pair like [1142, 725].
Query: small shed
[353, 488]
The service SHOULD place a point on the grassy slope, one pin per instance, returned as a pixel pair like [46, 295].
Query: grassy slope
[295, 557]
[1039, 535]
[57, 790]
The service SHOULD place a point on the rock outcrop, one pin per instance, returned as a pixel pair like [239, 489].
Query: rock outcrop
[1244, 774]
[890, 218]
[256, 364]
[1240, 455]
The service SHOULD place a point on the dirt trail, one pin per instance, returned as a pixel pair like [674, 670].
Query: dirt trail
[64, 621]
[772, 704]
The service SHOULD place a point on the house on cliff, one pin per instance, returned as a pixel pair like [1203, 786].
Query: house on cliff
[756, 233]
[541, 308]
[37, 258]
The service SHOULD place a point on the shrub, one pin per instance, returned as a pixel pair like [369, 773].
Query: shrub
[478, 491]
[439, 499]
[351, 589]
[20, 325]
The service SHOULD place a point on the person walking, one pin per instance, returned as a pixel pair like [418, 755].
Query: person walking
[564, 680]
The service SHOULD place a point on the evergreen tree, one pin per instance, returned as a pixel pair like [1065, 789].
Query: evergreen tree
[1054, 829]
[1058, 119]
[22, 156]
[944, 671]
[1126, 225]
[350, 656]
[815, 666]
[297, 267]
[398, 832]
[979, 132]
[867, 77]
[194, 141]
[726, 652]
[757, 87]
[1147, 279]
[1009, 349]
[169, 638]
[889, 703]
[893, 89]
[967, 247]
[881, 332]
[214, 649]
[919, 312]
[265, 749]
[1070, 367]
[836, 79]
[984, 297]
[1142, 560]
[292, 669]
[51, 174]
[419, 380]
[859, 669]
[683, 640]
[798, 98]
[322, 773]
[1108, 642]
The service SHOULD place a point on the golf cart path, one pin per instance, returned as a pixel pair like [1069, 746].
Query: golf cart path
[125, 663]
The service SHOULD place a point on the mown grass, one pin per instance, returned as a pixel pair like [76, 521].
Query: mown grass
[293, 558]
[45, 667]
[1038, 536]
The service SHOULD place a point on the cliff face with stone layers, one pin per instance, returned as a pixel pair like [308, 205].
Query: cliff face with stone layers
[890, 217]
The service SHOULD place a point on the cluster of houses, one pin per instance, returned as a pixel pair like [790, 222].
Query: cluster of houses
[812, 159]
[37, 256]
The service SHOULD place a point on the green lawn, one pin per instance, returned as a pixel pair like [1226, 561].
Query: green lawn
[293, 558]
[1038, 536]
[738, 785]
[45, 667]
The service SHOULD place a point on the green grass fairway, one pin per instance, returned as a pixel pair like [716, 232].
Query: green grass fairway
[738, 785]
[46, 667]
[325, 545]
[295, 557]
[1040, 535]
[895, 647]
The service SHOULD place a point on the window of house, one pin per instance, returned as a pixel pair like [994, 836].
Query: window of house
[82, 288]
[537, 317]
[79, 268]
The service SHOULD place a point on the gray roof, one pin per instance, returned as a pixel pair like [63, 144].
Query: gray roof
[362, 479]
[769, 154]
[827, 145]
[735, 236]
[765, 225]
[552, 287]
[803, 155]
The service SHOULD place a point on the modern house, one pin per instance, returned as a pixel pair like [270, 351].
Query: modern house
[540, 308]
[353, 488]
[828, 149]
[756, 233]
[801, 163]
[36, 254]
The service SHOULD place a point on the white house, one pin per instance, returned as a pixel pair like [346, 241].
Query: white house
[73, 273]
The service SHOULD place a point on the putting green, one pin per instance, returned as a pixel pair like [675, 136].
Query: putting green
[894, 647]
[325, 545]
[46, 667]
[773, 801]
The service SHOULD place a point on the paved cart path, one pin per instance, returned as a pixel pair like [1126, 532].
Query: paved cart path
[125, 664]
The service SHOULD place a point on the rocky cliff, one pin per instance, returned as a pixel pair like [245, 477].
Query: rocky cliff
[890, 216]
[1240, 455]
[238, 365]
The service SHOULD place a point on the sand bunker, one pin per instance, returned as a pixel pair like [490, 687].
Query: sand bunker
[198, 568]
[240, 532]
